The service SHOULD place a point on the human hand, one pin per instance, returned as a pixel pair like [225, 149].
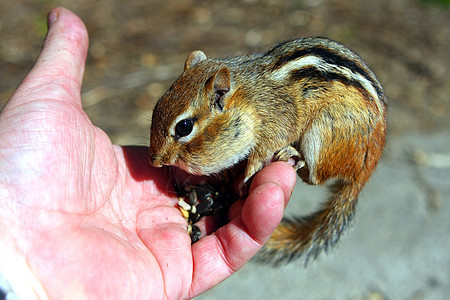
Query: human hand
[83, 218]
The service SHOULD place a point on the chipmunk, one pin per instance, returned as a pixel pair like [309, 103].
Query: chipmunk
[311, 99]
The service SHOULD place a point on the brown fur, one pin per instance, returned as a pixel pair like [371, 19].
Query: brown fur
[312, 99]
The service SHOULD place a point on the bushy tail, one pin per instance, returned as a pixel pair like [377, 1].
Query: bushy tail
[307, 236]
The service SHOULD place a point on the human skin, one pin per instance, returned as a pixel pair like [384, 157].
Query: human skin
[84, 218]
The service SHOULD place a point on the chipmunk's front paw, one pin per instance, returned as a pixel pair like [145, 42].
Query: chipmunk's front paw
[291, 155]
[244, 189]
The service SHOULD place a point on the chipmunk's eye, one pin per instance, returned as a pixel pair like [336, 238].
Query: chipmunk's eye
[184, 128]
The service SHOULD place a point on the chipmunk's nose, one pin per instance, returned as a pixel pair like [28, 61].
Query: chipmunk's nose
[154, 161]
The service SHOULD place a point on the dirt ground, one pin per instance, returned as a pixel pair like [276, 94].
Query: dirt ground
[137, 48]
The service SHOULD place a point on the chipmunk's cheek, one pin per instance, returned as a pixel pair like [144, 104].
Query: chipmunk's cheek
[187, 167]
[193, 166]
[182, 165]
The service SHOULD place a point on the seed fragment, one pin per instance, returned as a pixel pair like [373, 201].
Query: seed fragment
[184, 212]
[183, 204]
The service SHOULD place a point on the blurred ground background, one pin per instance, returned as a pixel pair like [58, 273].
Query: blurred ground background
[399, 247]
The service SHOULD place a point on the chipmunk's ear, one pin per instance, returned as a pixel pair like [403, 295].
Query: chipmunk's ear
[193, 59]
[220, 83]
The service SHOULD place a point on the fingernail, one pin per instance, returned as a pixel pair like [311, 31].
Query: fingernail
[52, 17]
[291, 161]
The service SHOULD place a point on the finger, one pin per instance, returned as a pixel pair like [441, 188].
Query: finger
[163, 231]
[280, 173]
[61, 61]
[219, 255]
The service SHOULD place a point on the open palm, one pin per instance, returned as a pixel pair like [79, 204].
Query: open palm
[92, 219]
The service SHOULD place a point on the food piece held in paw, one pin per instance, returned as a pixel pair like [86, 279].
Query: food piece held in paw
[202, 200]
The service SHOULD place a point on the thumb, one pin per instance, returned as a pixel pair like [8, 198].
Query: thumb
[60, 65]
